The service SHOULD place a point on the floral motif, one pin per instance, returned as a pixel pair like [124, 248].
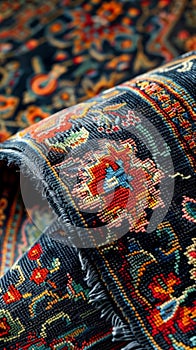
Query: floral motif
[35, 252]
[162, 287]
[31, 115]
[168, 311]
[8, 106]
[185, 317]
[39, 275]
[116, 183]
[87, 28]
[12, 295]
[110, 10]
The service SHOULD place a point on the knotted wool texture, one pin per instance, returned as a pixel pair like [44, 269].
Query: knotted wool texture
[115, 268]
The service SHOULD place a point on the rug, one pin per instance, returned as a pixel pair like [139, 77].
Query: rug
[58, 54]
[118, 172]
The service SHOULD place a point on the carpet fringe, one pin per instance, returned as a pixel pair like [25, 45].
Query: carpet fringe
[99, 298]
